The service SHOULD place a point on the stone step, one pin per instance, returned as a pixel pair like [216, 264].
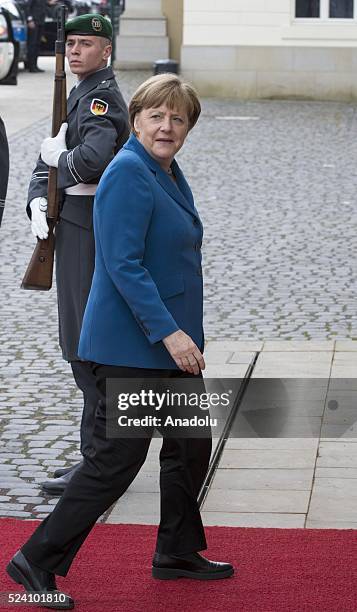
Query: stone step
[140, 52]
[142, 27]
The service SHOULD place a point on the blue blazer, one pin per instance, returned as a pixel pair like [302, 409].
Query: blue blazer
[147, 280]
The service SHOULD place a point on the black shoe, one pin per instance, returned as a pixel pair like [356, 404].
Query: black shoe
[34, 579]
[62, 471]
[36, 69]
[56, 486]
[193, 565]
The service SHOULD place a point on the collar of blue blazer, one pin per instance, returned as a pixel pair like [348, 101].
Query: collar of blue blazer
[179, 190]
[87, 84]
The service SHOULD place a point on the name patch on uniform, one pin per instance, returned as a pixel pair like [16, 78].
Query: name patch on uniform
[99, 107]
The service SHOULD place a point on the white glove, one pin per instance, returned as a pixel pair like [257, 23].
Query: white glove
[52, 148]
[39, 225]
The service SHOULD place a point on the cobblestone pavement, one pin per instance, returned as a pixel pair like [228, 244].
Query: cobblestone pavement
[278, 199]
[275, 184]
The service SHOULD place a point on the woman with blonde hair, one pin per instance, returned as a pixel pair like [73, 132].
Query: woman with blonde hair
[143, 321]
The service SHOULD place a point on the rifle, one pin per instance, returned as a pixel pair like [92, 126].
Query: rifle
[40, 269]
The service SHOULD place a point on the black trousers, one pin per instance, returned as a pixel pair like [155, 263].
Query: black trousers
[86, 382]
[33, 45]
[106, 474]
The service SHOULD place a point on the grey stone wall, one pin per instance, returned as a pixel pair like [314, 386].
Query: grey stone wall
[310, 73]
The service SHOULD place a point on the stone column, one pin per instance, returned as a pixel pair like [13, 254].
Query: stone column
[143, 37]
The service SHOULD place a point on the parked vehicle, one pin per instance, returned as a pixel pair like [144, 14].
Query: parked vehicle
[7, 47]
[75, 7]
[13, 36]
[48, 39]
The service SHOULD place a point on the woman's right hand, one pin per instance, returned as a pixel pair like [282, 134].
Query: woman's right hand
[184, 352]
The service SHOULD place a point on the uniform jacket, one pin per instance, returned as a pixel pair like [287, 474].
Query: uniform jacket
[92, 141]
[37, 10]
[147, 281]
[4, 167]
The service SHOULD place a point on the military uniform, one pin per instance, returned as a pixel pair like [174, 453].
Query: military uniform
[92, 140]
[4, 167]
[36, 14]
[97, 127]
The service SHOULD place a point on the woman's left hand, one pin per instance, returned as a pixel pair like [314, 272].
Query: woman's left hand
[185, 352]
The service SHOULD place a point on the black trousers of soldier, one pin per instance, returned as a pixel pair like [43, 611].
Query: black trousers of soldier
[74, 271]
[86, 382]
[107, 472]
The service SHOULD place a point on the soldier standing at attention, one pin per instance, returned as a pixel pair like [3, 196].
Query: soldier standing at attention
[97, 128]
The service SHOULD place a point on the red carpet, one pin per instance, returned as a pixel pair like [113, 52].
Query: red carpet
[290, 570]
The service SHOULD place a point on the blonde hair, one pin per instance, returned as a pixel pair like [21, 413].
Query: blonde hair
[165, 89]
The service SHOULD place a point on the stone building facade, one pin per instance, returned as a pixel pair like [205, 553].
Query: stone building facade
[255, 48]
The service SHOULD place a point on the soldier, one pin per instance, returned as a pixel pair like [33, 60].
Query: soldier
[4, 166]
[36, 10]
[97, 127]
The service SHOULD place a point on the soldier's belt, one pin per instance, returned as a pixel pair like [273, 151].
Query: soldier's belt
[82, 189]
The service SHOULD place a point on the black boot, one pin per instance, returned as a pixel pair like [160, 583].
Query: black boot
[37, 580]
[62, 471]
[193, 565]
[56, 486]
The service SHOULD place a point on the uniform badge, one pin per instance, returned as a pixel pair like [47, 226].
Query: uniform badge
[99, 107]
[97, 24]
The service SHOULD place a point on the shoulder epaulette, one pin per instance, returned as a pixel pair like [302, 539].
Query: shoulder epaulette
[103, 85]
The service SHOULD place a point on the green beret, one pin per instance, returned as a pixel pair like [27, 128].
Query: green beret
[91, 24]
